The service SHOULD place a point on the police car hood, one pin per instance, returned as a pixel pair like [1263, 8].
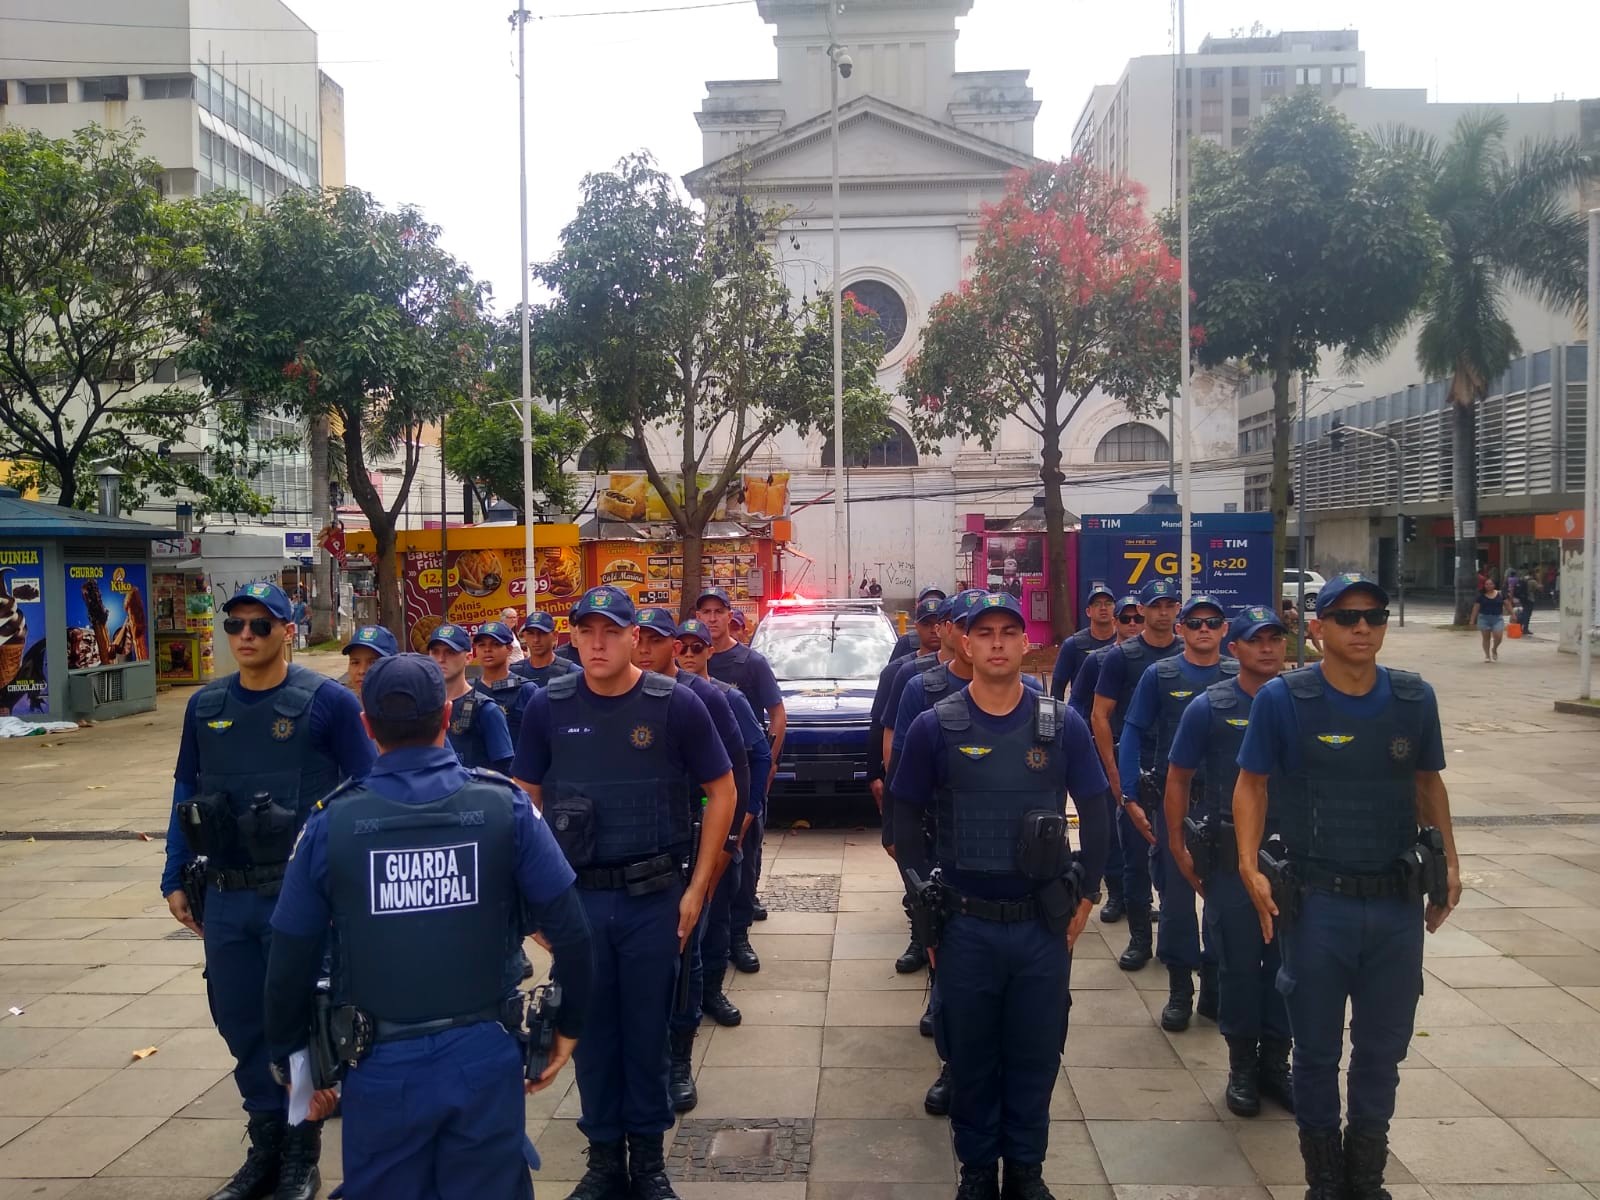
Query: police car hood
[826, 699]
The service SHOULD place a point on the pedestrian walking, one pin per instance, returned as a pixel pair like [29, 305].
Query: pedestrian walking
[1489, 615]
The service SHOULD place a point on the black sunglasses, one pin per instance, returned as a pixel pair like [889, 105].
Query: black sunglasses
[1130, 619]
[260, 626]
[1349, 618]
[692, 647]
[1204, 622]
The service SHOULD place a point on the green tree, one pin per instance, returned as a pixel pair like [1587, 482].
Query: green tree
[97, 276]
[1072, 291]
[1503, 222]
[667, 316]
[1309, 235]
[329, 305]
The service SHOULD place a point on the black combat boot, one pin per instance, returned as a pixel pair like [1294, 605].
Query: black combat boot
[1366, 1151]
[298, 1177]
[258, 1177]
[1243, 1094]
[607, 1176]
[758, 910]
[1025, 1181]
[1205, 1004]
[715, 1003]
[743, 953]
[914, 959]
[680, 1072]
[1140, 940]
[1274, 1078]
[1114, 907]
[937, 1101]
[979, 1183]
[1323, 1156]
[1180, 999]
[647, 1168]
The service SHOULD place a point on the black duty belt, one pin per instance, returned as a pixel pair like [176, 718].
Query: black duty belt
[629, 874]
[391, 1031]
[1008, 912]
[1381, 885]
[239, 879]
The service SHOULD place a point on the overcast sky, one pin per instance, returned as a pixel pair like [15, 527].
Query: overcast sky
[430, 87]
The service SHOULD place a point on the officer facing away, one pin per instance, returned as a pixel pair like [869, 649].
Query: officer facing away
[994, 764]
[610, 757]
[1201, 770]
[1120, 671]
[429, 873]
[370, 643]
[1100, 611]
[1355, 752]
[258, 749]
[478, 732]
[1163, 693]
[491, 645]
[542, 663]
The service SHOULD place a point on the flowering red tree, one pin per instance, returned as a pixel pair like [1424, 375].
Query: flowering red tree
[1071, 290]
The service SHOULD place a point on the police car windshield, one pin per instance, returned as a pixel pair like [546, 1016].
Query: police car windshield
[825, 645]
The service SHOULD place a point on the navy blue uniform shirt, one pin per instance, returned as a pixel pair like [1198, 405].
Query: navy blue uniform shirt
[492, 728]
[1069, 659]
[1081, 701]
[761, 689]
[1272, 743]
[1113, 666]
[1144, 710]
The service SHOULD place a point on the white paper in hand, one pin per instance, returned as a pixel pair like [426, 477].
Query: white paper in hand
[299, 1086]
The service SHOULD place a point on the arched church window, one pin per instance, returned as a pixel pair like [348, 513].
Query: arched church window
[887, 306]
[896, 449]
[1132, 443]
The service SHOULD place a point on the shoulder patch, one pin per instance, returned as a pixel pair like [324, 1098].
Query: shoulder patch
[563, 687]
[656, 684]
[954, 716]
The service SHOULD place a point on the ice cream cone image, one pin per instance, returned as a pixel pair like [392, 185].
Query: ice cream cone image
[94, 604]
[13, 631]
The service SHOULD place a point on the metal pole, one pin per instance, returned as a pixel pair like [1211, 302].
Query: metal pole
[529, 569]
[1300, 521]
[444, 531]
[841, 538]
[1591, 443]
[1186, 538]
[1400, 527]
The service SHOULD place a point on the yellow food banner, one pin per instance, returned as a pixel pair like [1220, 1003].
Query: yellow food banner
[629, 496]
[481, 583]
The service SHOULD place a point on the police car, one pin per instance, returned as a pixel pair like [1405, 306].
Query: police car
[826, 656]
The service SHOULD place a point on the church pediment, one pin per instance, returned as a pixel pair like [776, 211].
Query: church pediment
[877, 140]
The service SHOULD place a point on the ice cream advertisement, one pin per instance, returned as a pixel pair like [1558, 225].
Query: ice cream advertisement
[107, 618]
[23, 689]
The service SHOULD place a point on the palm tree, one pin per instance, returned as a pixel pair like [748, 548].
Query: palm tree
[1504, 222]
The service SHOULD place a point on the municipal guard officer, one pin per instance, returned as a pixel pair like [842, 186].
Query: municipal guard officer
[1203, 765]
[370, 643]
[994, 764]
[912, 641]
[478, 732]
[543, 663]
[1120, 670]
[1356, 753]
[1163, 693]
[657, 651]
[927, 630]
[610, 756]
[509, 689]
[259, 748]
[428, 874]
[1100, 609]
[739, 626]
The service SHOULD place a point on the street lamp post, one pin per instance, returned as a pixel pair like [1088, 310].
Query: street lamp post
[1300, 503]
[1339, 427]
[839, 64]
[529, 569]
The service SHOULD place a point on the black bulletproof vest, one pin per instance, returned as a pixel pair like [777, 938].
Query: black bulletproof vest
[620, 759]
[992, 781]
[1229, 705]
[1087, 643]
[554, 669]
[1351, 804]
[424, 900]
[509, 694]
[1175, 690]
[736, 666]
[466, 730]
[245, 749]
[938, 682]
[923, 663]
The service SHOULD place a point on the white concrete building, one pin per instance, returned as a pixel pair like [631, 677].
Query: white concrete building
[923, 147]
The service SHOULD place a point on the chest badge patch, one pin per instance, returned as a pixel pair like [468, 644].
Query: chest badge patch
[282, 729]
[1336, 739]
[642, 737]
[1037, 758]
[975, 752]
[1239, 722]
[1400, 749]
[219, 726]
[1180, 695]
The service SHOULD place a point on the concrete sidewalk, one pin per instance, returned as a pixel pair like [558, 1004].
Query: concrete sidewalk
[818, 1094]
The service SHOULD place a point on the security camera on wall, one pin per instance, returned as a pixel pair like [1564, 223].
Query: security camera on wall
[847, 65]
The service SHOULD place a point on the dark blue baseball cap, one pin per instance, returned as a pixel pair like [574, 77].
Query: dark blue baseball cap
[1127, 602]
[737, 617]
[693, 628]
[1340, 584]
[1159, 589]
[497, 630]
[375, 638]
[713, 593]
[930, 589]
[1098, 589]
[657, 620]
[1201, 600]
[931, 609]
[988, 602]
[606, 601]
[453, 636]
[269, 595]
[1252, 621]
[541, 622]
[403, 687]
[963, 604]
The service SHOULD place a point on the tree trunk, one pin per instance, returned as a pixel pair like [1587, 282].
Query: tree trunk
[323, 601]
[1464, 505]
[1282, 457]
[391, 609]
[69, 487]
[693, 558]
[1055, 541]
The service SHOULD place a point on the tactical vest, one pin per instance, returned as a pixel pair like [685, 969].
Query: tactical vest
[246, 749]
[1175, 690]
[554, 669]
[924, 663]
[1229, 706]
[1351, 803]
[991, 781]
[620, 760]
[466, 730]
[510, 694]
[424, 900]
[736, 669]
[937, 682]
[1087, 643]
